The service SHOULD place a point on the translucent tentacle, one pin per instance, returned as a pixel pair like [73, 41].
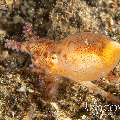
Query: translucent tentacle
[96, 90]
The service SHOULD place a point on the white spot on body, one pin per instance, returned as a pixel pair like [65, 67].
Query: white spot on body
[54, 59]
[86, 42]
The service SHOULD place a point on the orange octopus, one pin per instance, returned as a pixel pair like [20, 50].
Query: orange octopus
[80, 57]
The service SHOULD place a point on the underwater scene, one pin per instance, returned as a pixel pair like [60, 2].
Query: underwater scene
[59, 59]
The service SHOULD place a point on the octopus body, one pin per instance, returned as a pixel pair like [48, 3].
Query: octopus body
[80, 57]
[86, 56]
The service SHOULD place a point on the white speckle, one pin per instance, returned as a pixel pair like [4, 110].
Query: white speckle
[86, 42]
[22, 89]
[61, 115]
[9, 76]
[30, 90]
[54, 105]
[13, 113]
[84, 117]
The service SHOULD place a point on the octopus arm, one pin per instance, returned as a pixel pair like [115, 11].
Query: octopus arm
[97, 90]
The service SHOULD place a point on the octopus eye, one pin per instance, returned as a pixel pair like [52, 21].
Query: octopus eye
[54, 58]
